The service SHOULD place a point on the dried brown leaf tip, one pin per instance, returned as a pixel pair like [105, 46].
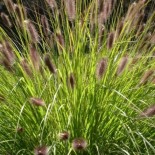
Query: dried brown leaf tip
[110, 40]
[149, 112]
[6, 20]
[35, 58]
[146, 76]
[34, 36]
[70, 9]
[41, 150]
[71, 80]
[122, 64]
[37, 101]
[49, 64]
[63, 135]
[101, 68]
[79, 144]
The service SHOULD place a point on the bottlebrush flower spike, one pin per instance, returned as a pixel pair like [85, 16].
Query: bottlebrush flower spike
[35, 58]
[149, 112]
[37, 101]
[6, 20]
[41, 150]
[10, 5]
[9, 57]
[79, 144]
[101, 68]
[70, 9]
[60, 40]
[26, 67]
[63, 135]
[52, 4]
[101, 34]
[20, 130]
[140, 29]
[45, 25]
[49, 64]
[122, 65]
[153, 80]
[110, 41]
[71, 80]
[2, 98]
[20, 13]
[105, 9]
[7, 64]
[32, 31]
[119, 28]
[146, 76]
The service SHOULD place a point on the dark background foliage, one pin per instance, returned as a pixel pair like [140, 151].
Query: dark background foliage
[40, 7]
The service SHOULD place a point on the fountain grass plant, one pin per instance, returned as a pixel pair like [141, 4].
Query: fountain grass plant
[77, 79]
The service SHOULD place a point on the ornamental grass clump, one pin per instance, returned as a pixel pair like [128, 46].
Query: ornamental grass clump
[71, 69]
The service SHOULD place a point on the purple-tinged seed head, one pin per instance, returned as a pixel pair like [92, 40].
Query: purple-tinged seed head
[49, 64]
[149, 112]
[6, 20]
[41, 150]
[34, 36]
[52, 4]
[25, 66]
[37, 101]
[63, 135]
[101, 68]
[71, 80]
[70, 9]
[20, 130]
[79, 144]
[122, 64]
[45, 25]
[10, 5]
[146, 76]
[35, 58]
[110, 41]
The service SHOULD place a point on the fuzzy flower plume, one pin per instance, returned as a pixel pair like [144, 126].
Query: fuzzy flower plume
[37, 101]
[101, 68]
[79, 144]
[41, 150]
